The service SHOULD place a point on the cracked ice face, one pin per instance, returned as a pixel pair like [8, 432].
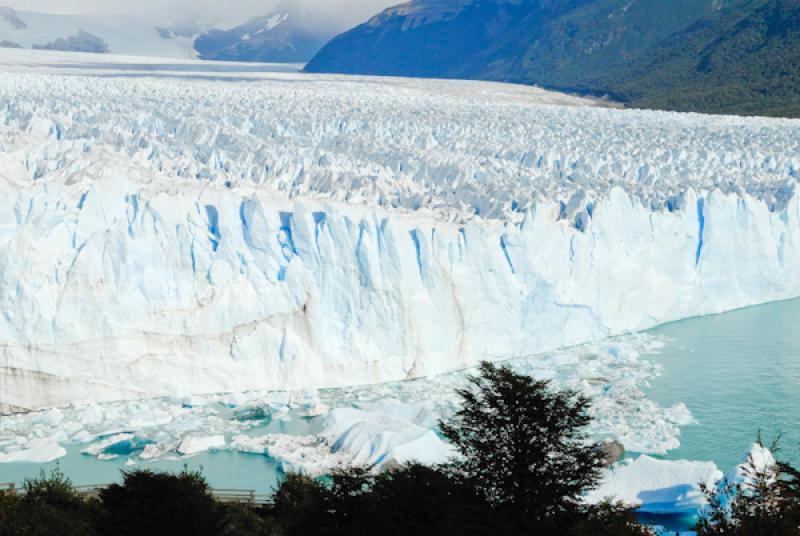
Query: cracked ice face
[199, 228]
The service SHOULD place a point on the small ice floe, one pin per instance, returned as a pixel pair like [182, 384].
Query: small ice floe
[157, 450]
[314, 409]
[310, 455]
[41, 450]
[196, 444]
[99, 448]
[657, 486]
[757, 460]
[387, 432]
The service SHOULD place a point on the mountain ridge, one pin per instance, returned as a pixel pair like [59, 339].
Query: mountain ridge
[287, 34]
[646, 53]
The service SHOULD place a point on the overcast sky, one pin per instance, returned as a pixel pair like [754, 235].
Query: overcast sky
[352, 11]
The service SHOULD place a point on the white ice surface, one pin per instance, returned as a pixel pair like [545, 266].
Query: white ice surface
[658, 486]
[40, 450]
[195, 444]
[203, 228]
[388, 433]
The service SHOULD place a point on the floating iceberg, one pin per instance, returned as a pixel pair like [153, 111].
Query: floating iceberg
[384, 435]
[657, 486]
[36, 451]
[197, 444]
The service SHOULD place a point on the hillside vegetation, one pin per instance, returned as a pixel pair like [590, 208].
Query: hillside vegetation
[721, 56]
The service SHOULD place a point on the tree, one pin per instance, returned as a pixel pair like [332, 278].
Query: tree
[523, 446]
[415, 499]
[299, 506]
[241, 519]
[48, 506]
[410, 499]
[764, 500]
[160, 504]
[608, 519]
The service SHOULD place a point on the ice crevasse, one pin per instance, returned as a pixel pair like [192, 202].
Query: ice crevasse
[121, 289]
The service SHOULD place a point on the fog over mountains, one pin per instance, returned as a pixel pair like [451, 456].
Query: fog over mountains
[286, 31]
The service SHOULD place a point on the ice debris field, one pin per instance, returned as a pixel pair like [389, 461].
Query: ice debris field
[176, 228]
[378, 425]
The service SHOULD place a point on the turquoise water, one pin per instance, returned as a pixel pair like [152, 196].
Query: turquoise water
[738, 373]
[224, 469]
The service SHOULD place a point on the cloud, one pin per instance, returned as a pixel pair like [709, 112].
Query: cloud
[345, 12]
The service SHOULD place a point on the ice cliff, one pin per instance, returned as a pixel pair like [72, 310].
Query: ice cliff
[180, 232]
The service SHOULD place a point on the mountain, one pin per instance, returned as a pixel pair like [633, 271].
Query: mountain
[130, 35]
[289, 34]
[80, 42]
[732, 56]
[292, 33]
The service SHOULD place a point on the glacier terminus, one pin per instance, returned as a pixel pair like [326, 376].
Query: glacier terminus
[204, 228]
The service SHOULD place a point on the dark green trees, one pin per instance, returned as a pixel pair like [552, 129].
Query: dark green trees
[522, 444]
[763, 501]
[48, 506]
[160, 504]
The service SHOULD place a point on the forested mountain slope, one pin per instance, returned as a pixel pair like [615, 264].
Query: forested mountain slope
[731, 56]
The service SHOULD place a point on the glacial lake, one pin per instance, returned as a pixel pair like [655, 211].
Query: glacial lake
[738, 374]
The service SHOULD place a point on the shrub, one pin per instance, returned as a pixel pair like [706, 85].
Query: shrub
[763, 501]
[160, 504]
[48, 506]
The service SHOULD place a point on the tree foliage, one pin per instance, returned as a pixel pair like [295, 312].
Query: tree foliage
[49, 506]
[763, 501]
[736, 56]
[160, 504]
[523, 445]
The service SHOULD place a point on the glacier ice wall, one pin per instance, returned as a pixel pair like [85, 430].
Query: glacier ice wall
[125, 291]
[163, 236]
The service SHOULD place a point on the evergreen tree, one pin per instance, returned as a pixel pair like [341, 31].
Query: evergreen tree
[523, 446]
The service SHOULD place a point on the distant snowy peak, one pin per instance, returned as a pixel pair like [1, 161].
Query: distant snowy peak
[80, 42]
[292, 34]
[286, 35]
[274, 21]
[130, 35]
[189, 29]
[421, 12]
[9, 17]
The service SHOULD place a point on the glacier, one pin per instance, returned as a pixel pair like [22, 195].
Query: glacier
[187, 229]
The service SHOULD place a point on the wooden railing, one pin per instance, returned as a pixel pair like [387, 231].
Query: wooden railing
[225, 495]
[244, 496]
